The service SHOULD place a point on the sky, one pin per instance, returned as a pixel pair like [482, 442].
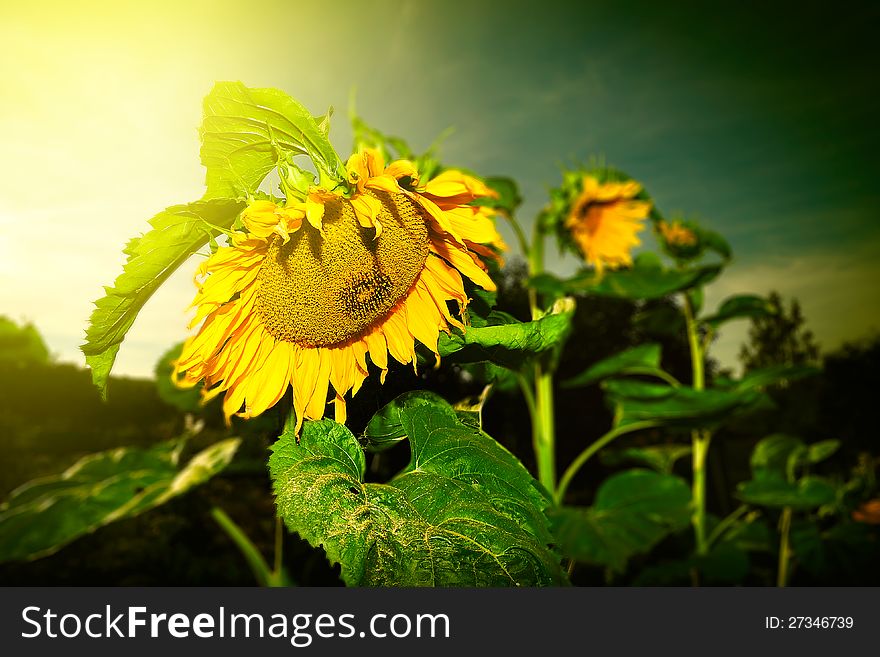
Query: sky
[760, 122]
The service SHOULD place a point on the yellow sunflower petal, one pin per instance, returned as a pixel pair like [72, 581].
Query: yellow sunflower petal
[453, 183]
[403, 169]
[366, 210]
[383, 183]
[268, 384]
[463, 262]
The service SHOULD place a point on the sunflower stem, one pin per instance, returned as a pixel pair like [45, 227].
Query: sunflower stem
[700, 439]
[591, 450]
[543, 425]
[546, 453]
[520, 234]
[784, 547]
[262, 573]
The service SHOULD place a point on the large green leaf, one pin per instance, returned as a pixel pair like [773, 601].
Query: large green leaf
[741, 306]
[646, 279]
[773, 375]
[510, 344]
[177, 233]
[806, 493]
[385, 429]
[643, 359]
[845, 549]
[44, 515]
[775, 463]
[772, 456]
[632, 512]
[637, 401]
[661, 458]
[247, 132]
[464, 512]
[715, 242]
[779, 456]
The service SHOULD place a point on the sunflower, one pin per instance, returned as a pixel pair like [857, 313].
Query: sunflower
[604, 220]
[677, 234]
[309, 289]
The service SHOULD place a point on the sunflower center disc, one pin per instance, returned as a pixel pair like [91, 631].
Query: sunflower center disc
[319, 291]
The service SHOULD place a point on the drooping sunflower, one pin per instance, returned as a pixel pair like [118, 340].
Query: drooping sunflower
[677, 234]
[604, 221]
[309, 289]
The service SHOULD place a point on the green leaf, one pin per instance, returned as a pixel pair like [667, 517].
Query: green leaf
[246, 132]
[807, 493]
[550, 286]
[725, 563]
[660, 458]
[751, 535]
[636, 401]
[845, 549]
[385, 429]
[633, 511]
[643, 359]
[509, 198]
[646, 279]
[177, 233]
[715, 241]
[739, 307]
[696, 296]
[818, 452]
[778, 457]
[511, 344]
[770, 376]
[772, 456]
[464, 512]
[480, 311]
[44, 515]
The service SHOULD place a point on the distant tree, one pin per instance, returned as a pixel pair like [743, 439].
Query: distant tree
[779, 338]
[21, 345]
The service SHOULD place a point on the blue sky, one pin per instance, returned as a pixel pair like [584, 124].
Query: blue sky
[760, 122]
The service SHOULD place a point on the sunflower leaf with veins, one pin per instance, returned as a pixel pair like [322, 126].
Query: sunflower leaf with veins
[177, 233]
[464, 512]
[506, 341]
[245, 132]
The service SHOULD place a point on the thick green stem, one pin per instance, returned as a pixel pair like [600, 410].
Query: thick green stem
[695, 346]
[784, 547]
[545, 450]
[700, 439]
[594, 447]
[543, 428]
